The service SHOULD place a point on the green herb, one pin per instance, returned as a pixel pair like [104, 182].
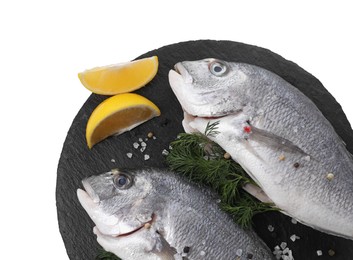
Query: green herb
[104, 255]
[245, 208]
[202, 161]
[211, 129]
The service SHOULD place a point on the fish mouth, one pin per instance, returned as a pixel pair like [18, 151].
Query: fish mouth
[206, 117]
[176, 69]
[88, 188]
[147, 225]
[182, 72]
[90, 202]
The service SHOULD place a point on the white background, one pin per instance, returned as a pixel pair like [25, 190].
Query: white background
[44, 44]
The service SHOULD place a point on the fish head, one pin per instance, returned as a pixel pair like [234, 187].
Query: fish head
[119, 202]
[210, 87]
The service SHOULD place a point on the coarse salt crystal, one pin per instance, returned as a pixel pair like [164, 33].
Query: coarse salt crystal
[277, 251]
[112, 160]
[286, 254]
[143, 148]
[154, 138]
[165, 152]
[143, 144]
[294, 221]
[319, 252]
[239, 252]
[270, 228]
[285, 251]
[283, 245]
[129, 155]
[140, 140]
[293, 237]
[146, 157]
[136, 145]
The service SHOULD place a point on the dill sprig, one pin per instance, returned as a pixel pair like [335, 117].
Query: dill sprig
[211, 129]
[245, 208]
[202, 161]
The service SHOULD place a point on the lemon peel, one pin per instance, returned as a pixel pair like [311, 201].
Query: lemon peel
[117, 115]
[120, 78]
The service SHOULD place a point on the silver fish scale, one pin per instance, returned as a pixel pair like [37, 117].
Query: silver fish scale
[315, 137]
[195, 221]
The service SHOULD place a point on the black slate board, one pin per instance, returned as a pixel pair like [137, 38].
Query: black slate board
[78, 162]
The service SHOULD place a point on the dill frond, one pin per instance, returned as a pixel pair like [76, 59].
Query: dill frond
[245, 208]
[202, 161]
[211, 129]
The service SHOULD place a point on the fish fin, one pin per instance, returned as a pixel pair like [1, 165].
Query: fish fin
[164, 250]
[271, 139]
[257, 192]
[253, 151]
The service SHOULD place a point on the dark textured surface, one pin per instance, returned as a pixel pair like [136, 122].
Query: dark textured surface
[78, 162]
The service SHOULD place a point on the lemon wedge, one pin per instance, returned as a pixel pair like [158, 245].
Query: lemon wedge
[120, 78]
[117, 115]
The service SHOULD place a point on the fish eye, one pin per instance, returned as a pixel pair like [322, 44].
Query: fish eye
[217, 68]
[122, 181]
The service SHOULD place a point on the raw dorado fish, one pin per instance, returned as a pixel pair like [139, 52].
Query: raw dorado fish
[153, 214]
[276, 134]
